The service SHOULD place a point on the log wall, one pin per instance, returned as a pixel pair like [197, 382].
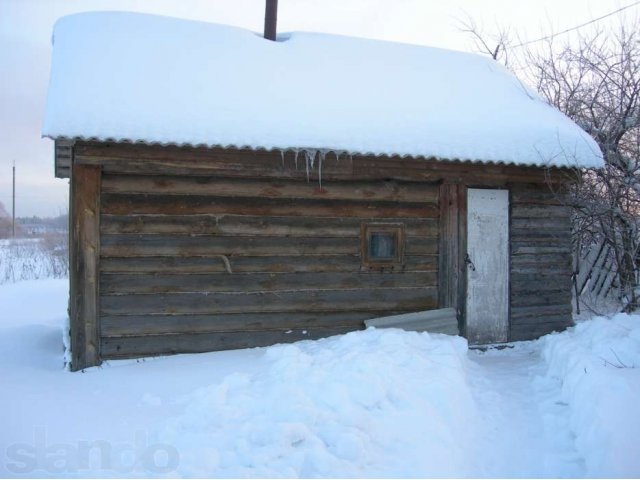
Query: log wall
[208, 249]
[540, 229]
[193, 262]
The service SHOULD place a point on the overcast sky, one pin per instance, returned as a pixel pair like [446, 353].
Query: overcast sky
[25, 51]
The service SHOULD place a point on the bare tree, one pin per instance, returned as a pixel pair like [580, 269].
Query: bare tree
[595, 80]
[496, 45]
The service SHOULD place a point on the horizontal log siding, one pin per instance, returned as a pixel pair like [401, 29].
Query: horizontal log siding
[231, 163]
[540, 262]
[192, 263]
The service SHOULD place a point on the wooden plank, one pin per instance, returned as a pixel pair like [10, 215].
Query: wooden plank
[143, 159]
[252, 225]
[392, 191]
[519, 288]
[547, 236]
[540, 269]
[541, 299]
[451, 172]
[126, 325]
[588, 262]
[535, 212]
[170, 160]
[533, 249]
[157, 245]
[561, 259]
[538, 311]
[63, 158]
[372, 299]
[537, 195]
[462, 266]
[564, 320]
[552, 223]
[448, 247]
[453, 245]
[279, 264]
[148, 245]
[84, 267]
[117, 204]
[525, 281]
[442, 320]
[531, 332]
[257, 282]
[127, 347]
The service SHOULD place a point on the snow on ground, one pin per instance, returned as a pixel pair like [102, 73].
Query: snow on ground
[598, 363]
[378, 403]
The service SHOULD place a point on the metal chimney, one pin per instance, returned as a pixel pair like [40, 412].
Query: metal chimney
[270, 19]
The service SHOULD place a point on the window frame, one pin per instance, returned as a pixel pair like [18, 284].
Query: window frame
[366, 231]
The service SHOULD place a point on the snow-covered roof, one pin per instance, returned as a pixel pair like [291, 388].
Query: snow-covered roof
[144, 78]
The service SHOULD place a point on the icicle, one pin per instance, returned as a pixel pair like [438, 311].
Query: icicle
[282, 155]
[309, 157]
[322, 154]
[295, 157]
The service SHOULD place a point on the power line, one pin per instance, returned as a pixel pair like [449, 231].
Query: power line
[577, 26]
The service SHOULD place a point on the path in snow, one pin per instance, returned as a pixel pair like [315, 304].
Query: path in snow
[528, 424]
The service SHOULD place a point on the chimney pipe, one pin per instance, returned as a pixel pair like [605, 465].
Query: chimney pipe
[270, 19]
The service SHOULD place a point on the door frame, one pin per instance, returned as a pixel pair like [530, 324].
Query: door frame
[452, 277]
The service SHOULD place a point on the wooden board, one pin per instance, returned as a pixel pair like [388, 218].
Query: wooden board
[404, 299]
[136, 346]
[136, 325]
[84, 267]
[256, 225]
[170, 160]
[443, 320]
[258, 282]
[254, 264]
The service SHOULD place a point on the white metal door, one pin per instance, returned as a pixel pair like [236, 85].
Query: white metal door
[487, 264]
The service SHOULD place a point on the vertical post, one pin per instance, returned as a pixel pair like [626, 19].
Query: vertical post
[84, 251]
[13, 202]
[270, 19]
[453, 236]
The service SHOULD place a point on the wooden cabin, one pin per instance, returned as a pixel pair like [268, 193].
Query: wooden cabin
[244, 194]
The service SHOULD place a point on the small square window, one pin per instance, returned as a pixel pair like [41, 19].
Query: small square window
[382, 244]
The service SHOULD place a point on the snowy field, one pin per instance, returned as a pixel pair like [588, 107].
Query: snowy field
[34, 258]
[378, 403]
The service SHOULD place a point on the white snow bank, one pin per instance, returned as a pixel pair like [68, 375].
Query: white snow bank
[135, 77]
[598, 362]
[379, 403]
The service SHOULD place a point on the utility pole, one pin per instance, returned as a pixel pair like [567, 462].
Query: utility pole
[13, 203]
[270, 19]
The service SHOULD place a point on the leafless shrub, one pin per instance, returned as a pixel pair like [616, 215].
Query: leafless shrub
[594, 78]
[34, 258]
